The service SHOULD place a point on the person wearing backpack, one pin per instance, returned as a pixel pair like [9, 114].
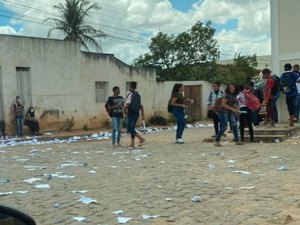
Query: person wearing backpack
[212, 97]
[269, 99]
[297, 99]
[179, 105]
[133, 108]
[115, 105]
[288, 82]
[229, 113]
[245, 114]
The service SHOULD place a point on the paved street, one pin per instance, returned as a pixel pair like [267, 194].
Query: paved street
[236, 184]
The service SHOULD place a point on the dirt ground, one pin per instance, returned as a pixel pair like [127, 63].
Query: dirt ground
[236, 184]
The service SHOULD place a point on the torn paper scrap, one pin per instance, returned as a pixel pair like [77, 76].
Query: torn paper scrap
[86, 200]
[196, 198]
[118, 212]
[146, 217]
[79, 218]
[6, 193]
[242, 172]
[247, 188]
[42, 186]
[80, 191]
[123, 219]
[31, 180]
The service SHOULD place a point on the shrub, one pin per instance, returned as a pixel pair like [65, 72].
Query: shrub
[158, 120]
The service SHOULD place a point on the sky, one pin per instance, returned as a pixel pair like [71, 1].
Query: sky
[242, 26]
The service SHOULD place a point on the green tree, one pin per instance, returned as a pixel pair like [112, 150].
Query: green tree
[184, 57]
[72, 23]
[240, 72]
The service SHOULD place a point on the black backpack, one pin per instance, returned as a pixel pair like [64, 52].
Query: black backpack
[276, 88]
[135, 105]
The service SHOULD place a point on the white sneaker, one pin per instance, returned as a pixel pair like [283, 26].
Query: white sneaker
[180, 141]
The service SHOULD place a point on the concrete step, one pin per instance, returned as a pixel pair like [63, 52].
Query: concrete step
[266, 138]
[276, 131]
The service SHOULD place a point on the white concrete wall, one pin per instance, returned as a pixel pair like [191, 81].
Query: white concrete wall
[285, 31]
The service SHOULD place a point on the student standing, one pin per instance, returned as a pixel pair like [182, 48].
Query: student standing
[116, 106]
[19, 116]
[245, 114]
[133, 108]
[212, 97]
[228, 113]
[179, 105]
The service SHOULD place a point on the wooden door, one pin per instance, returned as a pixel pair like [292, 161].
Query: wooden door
[194, 92]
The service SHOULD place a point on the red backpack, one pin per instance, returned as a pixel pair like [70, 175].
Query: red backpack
[252, 102]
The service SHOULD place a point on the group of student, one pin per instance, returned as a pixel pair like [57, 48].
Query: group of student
[235, 107]
[18, 116]
[117, 106]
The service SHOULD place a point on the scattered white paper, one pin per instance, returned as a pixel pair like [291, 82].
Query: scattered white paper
[87, 200]
[79, 218]
[168, 199]
[231, 161]
[211, 166]
[80, 191]
[92, 171]
[241, 172]
[196, 198]
[6, 193]
[277, 140]
[146, 217]
[31, 180]
[42, 186]
[117, 212]
[282, 168]
[274, 157]
[123, 219]
[247, 188]
[21, 192]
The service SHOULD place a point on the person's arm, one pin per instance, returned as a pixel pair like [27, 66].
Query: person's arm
[227, 107]
[174, 104]
[142, 112]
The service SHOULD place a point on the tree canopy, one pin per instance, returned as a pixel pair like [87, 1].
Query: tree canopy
[192, 55]
[176, 57]
[72, 22]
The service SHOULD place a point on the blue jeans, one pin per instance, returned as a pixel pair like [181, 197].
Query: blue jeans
[131, 122]
[116, 129]
[19, 126]
[226, 117]
[297, 106]
[274, 107]
[178, 112]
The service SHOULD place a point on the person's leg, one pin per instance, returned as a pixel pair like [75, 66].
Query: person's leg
[21, 126]
[249, 123]
[119, 130]
[132, 119]
[223, 116]
[18, 130]
[114, 124]
[233, 121]
[216, 121]
[297, 107]
[290, 104]
[179, 115]
[242, 124]
[274, 107]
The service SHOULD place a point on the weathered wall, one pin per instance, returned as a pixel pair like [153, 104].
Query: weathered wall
[63, 82]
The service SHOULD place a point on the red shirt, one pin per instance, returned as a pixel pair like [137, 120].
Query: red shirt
[269, 85]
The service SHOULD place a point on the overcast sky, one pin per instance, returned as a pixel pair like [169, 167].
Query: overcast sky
[243, 26]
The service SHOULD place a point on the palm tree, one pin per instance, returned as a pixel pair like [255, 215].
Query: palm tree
[72, 23]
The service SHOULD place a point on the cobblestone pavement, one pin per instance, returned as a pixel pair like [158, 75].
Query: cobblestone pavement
[237, 184]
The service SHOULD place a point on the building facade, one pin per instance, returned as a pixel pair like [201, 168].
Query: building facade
[65, 84]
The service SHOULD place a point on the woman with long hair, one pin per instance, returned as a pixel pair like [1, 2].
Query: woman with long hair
[179, 105]
[228, 113]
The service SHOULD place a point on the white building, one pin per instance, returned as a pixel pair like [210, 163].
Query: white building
[62, 83]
